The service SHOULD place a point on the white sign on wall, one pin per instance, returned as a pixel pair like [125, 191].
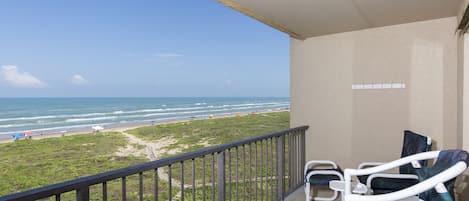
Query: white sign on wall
[379, 86]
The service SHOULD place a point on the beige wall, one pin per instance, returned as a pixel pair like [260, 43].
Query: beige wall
[461, 55]
[352, 126]
[463, 105]
[463, 87]
[460, 98]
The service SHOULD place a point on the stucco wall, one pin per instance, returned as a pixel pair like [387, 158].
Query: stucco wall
[352, 126]
[463, 87]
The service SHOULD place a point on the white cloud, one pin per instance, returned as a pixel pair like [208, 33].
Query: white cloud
[13, 76]
[167, 55]
[166, 59]
[78, 79]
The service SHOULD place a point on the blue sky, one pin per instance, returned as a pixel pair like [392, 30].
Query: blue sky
[154, 48]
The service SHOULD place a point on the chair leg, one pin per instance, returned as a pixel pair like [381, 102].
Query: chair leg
[322, 172]
[308, 195]
[308, 191]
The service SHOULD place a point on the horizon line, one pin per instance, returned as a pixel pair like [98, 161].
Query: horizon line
[152, 97]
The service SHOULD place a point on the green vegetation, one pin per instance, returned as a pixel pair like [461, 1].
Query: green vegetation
[219, 131]
[29, 164]
[214, 131]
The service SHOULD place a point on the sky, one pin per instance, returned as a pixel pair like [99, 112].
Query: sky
[144, 48]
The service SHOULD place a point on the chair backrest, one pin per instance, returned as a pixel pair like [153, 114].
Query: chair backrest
[445, 160]
[414, 143]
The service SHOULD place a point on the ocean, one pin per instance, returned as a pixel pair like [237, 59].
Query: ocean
[62, 115]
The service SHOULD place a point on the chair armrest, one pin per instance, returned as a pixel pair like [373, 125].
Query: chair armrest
[431, 183]
[391, 176]
[369, 164]
[319, 162]
[435, 182]
[393, 164]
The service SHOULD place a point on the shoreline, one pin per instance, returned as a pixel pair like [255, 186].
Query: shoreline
[120, 127]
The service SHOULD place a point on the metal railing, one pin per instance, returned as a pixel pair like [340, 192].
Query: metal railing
[267, 167]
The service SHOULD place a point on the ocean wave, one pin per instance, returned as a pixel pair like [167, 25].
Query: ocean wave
[200, 108]
[156, 114]
[150, 110]
[16, 125]
[48, 122]
[28, 124]
[192, 112]
[7, 126]
[28, 118]
[55, 128]
[51, 117]
[91, 119]
[160, 110]
[144, 111]
[259, 104]
[83, 115]
[122, 119]
[247, 107]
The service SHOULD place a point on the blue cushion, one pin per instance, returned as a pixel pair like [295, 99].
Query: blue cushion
[414, 143]
[388, 185]
[323, 180]
[445, 160]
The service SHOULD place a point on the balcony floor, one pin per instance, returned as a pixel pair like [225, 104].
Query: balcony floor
[298, 195]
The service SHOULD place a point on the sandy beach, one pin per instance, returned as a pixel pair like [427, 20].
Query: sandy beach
[125, 127]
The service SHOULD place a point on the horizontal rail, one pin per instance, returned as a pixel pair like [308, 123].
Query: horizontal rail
[86, 182]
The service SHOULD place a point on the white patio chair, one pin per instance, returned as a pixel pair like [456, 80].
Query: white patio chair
[436, 182]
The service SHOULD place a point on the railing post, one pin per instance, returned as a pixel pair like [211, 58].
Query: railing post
[303, 151]
[83, 194]
[280, 167]
[221, 175]
[289, 149]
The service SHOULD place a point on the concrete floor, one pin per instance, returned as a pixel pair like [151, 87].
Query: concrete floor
[298, 195]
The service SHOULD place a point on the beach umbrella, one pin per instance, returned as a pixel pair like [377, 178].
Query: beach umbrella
[17, 136]
[28, 134]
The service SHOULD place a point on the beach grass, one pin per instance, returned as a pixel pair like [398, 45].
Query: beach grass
[29, 164]
[216, 131]
[197, 134]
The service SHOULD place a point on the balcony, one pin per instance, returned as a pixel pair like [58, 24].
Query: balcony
[250, 169]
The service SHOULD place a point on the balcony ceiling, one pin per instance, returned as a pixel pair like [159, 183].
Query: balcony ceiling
[308, 18]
